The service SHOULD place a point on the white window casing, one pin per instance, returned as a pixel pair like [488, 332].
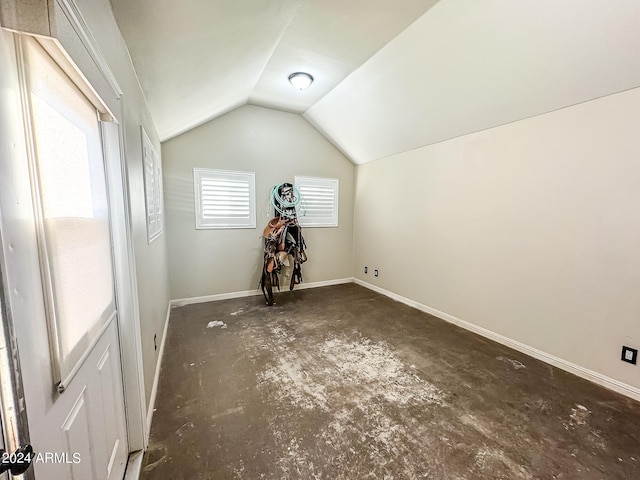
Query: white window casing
[224, 199]
[319, 204]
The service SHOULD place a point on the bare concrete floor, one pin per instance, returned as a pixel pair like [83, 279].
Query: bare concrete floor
[343, 383]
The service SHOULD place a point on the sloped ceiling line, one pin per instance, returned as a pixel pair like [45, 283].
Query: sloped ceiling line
[389, 76]
[198, 59]
[276, 44]
[502, 61]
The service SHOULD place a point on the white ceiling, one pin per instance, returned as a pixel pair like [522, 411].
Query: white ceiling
[389, 77]
[198, 59]
[469, 65]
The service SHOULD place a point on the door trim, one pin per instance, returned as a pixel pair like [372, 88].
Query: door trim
[126, 294]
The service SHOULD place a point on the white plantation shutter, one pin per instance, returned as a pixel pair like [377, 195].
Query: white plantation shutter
[152, 187]
[319, 205]
[224, 199]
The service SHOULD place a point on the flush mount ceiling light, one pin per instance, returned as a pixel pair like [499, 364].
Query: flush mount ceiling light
[300, 80]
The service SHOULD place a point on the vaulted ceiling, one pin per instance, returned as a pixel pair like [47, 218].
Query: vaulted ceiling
[390, 75]
[197, 59]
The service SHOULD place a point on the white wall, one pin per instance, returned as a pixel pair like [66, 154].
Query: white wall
[276, 146]
[151, 263]
[530, 230]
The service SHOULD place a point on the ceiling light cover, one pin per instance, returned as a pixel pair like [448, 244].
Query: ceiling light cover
[300, 80]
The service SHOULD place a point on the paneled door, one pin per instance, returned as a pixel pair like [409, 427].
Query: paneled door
[58, 251]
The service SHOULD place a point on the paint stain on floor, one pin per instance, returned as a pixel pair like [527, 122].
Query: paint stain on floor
[365, 393]
[342, 383]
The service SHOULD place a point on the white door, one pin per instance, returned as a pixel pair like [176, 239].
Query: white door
[58, 251]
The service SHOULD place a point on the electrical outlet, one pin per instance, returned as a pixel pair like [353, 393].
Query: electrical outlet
[375, 272]
[366, 269]
[155, 341]
[629, 355]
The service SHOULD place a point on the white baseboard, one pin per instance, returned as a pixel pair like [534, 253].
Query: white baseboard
[134, 466]
[577, 370]
[156, 378]
[180, 302]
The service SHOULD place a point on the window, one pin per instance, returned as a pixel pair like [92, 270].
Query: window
[152, 188]
[319, 205]
[224, 199]
[71, 209]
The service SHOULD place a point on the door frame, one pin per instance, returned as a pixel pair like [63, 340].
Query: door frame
[15, 427]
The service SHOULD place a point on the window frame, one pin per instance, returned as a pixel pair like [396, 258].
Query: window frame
[153, 196]
[223, 222]
[328, 221]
